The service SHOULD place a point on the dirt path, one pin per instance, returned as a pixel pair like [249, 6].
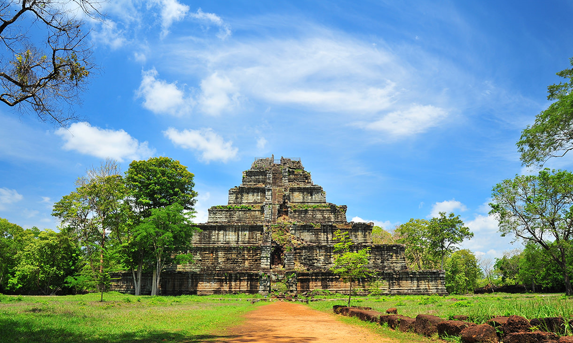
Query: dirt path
[286, 322]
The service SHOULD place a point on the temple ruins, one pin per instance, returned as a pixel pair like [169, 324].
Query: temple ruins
[278, 228]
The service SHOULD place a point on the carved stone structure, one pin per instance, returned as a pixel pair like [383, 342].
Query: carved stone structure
[278, 227]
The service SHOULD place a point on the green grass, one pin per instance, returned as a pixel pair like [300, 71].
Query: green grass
[479, 308]
[121, 318]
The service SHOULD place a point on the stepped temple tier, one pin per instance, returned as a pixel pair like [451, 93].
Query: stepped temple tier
[277, 230]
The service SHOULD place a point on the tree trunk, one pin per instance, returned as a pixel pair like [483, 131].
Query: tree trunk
[568, 289]
[101, 285]
[138, 285]
[350, 292]
[154, 282]
[443, 255]
[158, 267]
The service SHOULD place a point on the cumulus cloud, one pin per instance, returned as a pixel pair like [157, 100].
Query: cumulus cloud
[261, 143]
[103, 143]
[8, 196]
[446, 206]
[171, 11]
[218, 95]
[210, 145]
[414, 120]
[321, 71]
[109, 35]
[161, 97]
[213, 19]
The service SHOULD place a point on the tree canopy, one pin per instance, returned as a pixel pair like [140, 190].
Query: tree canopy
[46, 61]
[552, 133]
[445, 232]
[538, 209]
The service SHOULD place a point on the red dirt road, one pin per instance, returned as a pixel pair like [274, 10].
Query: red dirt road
[286, 322]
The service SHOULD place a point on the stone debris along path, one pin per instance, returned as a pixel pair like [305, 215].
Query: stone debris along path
[286, 322]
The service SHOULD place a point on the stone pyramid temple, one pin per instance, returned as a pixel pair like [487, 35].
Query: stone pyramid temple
[278, 228]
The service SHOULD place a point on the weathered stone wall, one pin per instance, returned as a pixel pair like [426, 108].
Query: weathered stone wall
[180, 283]
[415, 282]
[317, 215]
[217, 215]
[247, 195]
[307, 194]
[254, 177]
[320, 233]
[221, 235]
[224, 258]
[321, 257]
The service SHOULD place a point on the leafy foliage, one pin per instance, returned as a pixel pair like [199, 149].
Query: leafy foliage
[552, 133]
[45, 77]
[349, 265]
[538, 209]
[462, 272]
[416, 237]
[445, 232]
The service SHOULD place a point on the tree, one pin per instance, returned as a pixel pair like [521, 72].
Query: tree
[415, 236]
[486, 266]
[508, 266]
[156, 183]
[462, 272]
[381, 236]
[92, 212]
[349, 265]
[552, 133]
[11, 242]
[538, 209]
[167, 232]
[44, 262]
[445, 232]
[44, 77]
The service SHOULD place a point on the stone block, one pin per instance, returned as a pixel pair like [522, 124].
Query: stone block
[426, 324]
[483, 333]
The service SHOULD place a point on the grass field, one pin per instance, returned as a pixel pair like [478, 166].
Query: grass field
[479, 308]
[121, 318]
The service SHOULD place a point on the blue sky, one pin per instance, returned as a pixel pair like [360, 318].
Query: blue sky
[398, 109]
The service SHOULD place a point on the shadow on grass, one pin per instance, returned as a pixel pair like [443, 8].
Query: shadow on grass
[27, 331]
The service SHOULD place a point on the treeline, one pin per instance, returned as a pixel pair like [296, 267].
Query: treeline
[138, 222]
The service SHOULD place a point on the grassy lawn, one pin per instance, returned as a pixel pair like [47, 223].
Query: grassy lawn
[479, 308]
[121, 318]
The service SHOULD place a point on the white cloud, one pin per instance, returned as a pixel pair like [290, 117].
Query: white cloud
[218, 95]
[261, 143]
[161, 97]
[140, 57]
[30, 213]
[211, 146]
[212, 18]
[8, 196]
[48, 202]
[321, 71]
[171, 11]
[487, 224]
[414, 120]
[103, 143]
[446, 206]
[109, 35]
[202, 210]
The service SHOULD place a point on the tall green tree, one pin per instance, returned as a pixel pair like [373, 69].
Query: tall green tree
[415, 236]
[538, 209]
[552, 133]
[349, 265]
[462, 272]
[167, 232]
[445, 232]
[92, 214]
[154, 184]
